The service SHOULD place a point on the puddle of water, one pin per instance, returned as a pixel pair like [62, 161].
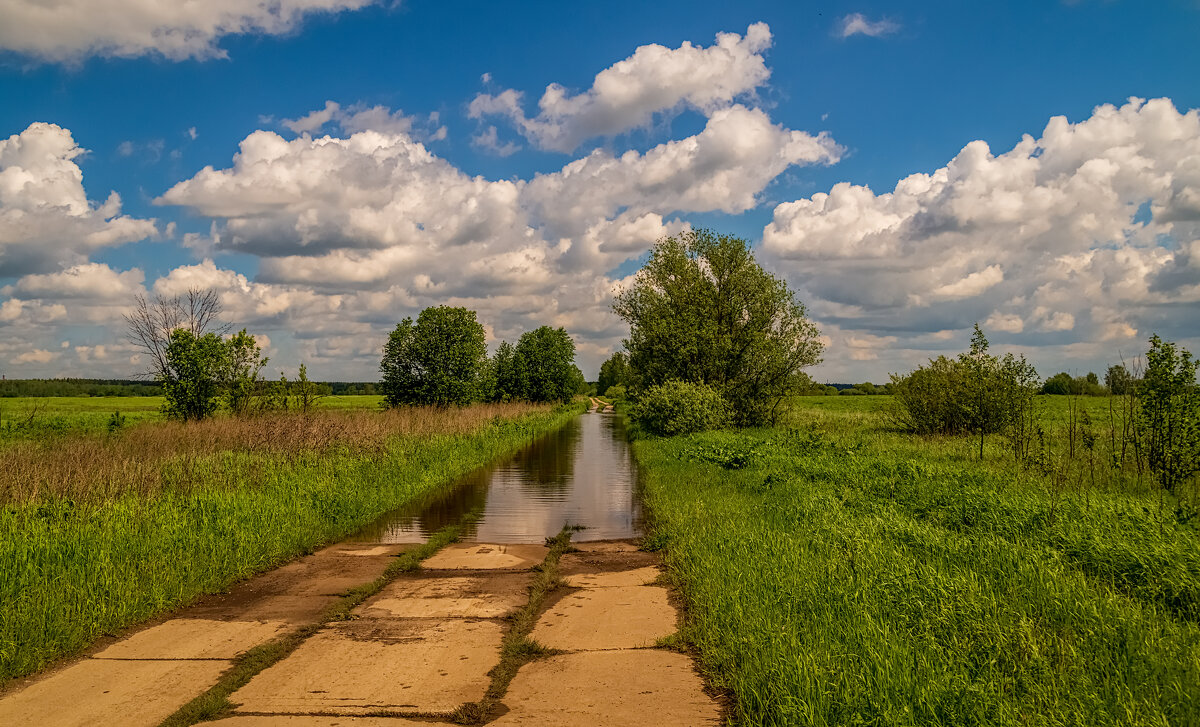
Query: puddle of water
[583, 474]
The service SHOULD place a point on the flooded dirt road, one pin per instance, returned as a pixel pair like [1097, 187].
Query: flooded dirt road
[582, 475]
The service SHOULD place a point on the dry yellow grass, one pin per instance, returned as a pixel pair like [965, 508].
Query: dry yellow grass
[89, 467]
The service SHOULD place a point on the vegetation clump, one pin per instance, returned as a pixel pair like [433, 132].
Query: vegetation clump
[701, 310]
[976, 393]
[1169, 413]
[680, 407]
[439, 360]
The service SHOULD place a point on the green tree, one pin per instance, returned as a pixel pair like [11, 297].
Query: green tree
[192, 378]
[243, 363]
[505, 374]
[438, 360]
[545, 359]
[702, 310]
[614, 372]
[1118, 380]
[1060, 383]
[1169, 413]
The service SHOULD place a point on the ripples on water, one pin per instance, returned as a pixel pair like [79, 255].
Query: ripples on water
[583, 474]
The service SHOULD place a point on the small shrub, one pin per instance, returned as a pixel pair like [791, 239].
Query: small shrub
[616, 392]
[679, 407]
[1169, 413]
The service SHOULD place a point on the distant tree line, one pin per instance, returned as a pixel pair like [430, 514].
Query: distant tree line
[440, 359]
[77, 387]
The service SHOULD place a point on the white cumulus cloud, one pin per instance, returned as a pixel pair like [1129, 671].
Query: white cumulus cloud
[1089, 232]
[46, 219]
[629, 93]
[67, 30]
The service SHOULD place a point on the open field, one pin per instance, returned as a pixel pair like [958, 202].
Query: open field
[838, 571]
[101, 531]
[36, 416]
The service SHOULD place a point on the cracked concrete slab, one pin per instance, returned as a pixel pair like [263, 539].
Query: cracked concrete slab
[111, 692]
[380, 665]
[622, 617]
[635, 577]
[492, 595]
[644, 686]
[193, 638]
[484, 556]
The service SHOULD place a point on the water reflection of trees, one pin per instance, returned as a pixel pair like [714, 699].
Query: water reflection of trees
[547, 467]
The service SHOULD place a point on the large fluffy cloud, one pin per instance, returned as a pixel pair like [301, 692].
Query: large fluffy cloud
[380, 209]
[629, 93]
[46, 220]
[175, 29]
[1089, 233]
[350, 230]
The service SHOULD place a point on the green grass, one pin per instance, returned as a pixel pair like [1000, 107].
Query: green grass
[74, 569]
[840, 572]
[40, 416]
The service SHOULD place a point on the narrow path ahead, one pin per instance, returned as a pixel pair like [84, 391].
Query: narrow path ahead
[428, 646]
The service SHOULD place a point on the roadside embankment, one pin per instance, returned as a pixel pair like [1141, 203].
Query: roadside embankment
[102, 532]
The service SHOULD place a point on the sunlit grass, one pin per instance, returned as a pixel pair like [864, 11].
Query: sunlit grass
[850, 573]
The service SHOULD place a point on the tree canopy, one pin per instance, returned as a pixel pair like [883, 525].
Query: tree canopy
[438, 360]
[545, 360]
[702, 310]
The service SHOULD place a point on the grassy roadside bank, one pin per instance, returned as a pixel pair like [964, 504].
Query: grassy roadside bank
[838, 572]
[103, 532]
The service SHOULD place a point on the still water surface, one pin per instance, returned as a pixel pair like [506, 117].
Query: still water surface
[583, 474]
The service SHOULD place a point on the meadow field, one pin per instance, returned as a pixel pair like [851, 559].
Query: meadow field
[838, 570]
[36, 416]
[104, 529]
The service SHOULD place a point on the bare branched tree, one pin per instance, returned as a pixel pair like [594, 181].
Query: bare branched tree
[151, 322]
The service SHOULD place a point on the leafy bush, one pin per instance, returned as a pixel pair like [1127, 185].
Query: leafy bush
[1169, 413]
[975, 393]
[680, 407]
[616, 392]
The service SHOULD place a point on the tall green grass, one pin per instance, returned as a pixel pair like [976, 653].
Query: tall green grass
[75, 568]
[839, 572]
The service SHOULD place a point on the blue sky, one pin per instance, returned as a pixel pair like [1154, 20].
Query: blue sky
[1061, 268]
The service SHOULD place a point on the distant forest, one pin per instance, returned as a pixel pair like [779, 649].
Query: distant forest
[133, 387]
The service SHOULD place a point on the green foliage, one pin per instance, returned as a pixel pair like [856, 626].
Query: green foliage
[1064, 383]
[680, 407]
[1119, 381]
[918, 584]
[1169, 413]
[545, 361]
[194, 372]
[615, 372]
[243, 363]
[439, 360]
[616, 392]
[506, 374]
[975, 393]
[702, 310]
